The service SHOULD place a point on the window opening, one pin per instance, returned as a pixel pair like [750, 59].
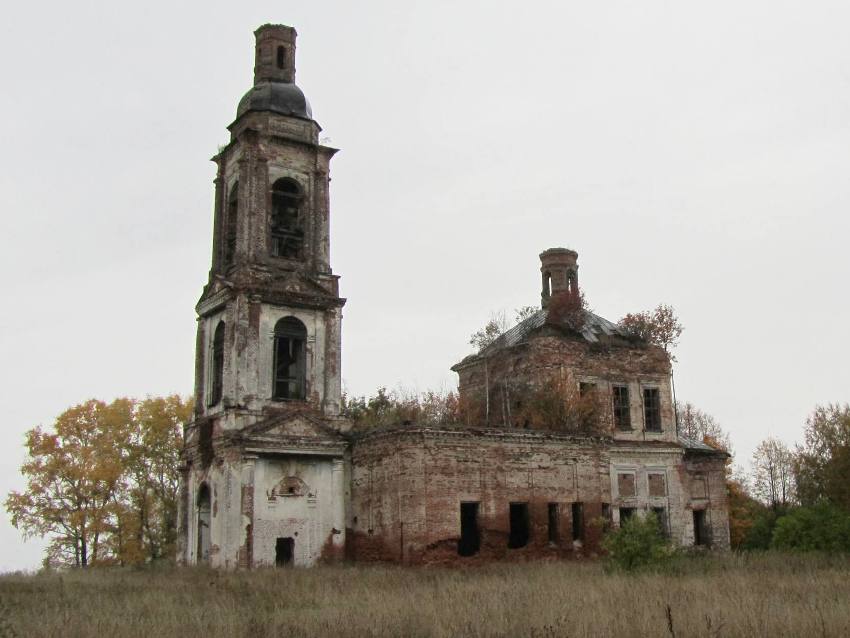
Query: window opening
[204, 509]
[284, 551]
[470, 536]
[622, 415]
[586, 389]
[281, 57]
[626, 513]
[287, 232]
[652, 409]
[578, 521]
[554, 512]
[217, 360]
[519, 525]
[230, 225]
[290, 337]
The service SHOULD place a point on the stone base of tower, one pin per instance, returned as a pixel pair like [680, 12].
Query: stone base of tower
[273, 494]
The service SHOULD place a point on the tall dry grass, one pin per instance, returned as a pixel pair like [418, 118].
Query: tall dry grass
[733, 595]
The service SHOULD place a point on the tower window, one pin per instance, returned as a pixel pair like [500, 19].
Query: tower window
[287, 231]
[230, 225]
[217, 360]
[290, 371]
[281, 57]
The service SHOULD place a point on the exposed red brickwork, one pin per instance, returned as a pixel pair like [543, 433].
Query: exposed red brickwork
[408, 486]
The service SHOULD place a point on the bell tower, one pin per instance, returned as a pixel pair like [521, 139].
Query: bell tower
[269, 317]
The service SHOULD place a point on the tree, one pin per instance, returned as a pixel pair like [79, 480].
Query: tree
[498, 325]
[102, 483]
[491, 331]
[822, 527]
[660, 327]
[701, 426]
[153, 456]
[773, 473]
[73, 475]
[822, 463]
[400, 407]
[637, 543]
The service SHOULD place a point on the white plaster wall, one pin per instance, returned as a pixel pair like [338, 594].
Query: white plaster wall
[676, 500]
[311, 519]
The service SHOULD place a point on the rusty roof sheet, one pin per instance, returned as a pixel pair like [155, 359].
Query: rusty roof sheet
[694, 444]
[594, 326]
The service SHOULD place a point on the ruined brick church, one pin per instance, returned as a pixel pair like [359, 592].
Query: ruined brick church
[272, 473]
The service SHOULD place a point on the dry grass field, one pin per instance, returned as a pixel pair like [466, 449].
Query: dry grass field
[734, 595]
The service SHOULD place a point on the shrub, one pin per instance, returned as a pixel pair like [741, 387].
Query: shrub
[822, 527]
[637, 543]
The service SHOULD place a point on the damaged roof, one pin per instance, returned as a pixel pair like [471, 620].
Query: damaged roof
[698, 446]
[594, 327]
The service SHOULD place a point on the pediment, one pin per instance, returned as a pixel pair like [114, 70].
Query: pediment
[295, 426]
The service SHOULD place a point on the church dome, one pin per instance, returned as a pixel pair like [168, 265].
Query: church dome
[278, 97]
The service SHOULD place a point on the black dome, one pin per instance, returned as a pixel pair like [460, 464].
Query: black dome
[278, 97]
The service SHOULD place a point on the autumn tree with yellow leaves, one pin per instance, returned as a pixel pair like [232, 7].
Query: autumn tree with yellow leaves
[101, 484]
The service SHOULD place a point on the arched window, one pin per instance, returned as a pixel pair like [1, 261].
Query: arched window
[287, 226]
[230, 225]
[217, 360]
[290, 371]
[281, 57]
[204, 509]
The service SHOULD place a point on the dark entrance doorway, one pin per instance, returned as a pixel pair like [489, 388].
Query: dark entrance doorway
[470, 537]
[701, 534]
[519, 525]
[284, 549]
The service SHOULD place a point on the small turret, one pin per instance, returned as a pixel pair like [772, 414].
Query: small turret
[559, 269]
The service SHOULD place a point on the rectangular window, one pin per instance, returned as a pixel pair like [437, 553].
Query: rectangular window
[652, 409]
[657, 486]
[578, 521]
[470, 536]
[626, 513]
[626, 484]
[622, 415]
[519, 525]
[554, 515]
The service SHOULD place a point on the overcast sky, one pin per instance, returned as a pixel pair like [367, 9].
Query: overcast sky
[693, 153]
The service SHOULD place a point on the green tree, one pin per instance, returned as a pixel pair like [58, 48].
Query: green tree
[822, 463]
[822, 527]
[637, 543]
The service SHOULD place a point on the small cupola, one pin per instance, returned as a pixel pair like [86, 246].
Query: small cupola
[274, 87]
[559, 270]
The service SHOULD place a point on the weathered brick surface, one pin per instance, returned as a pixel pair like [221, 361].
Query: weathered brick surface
[408, 485]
